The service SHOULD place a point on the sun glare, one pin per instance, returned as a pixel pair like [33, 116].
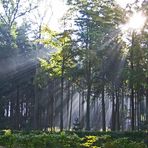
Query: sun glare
[136, 22]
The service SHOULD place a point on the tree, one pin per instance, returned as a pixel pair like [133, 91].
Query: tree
[60, 62]
[95, 23]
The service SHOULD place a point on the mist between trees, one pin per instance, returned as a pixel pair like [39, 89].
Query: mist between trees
[87, 75]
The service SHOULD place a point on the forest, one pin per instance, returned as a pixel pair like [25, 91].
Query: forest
[84, 85]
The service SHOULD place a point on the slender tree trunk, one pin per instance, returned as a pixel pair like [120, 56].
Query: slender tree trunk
[147, 102]
[48, 114]
[132, 109]
[103, 111]
[113, 112]
[61, 104]
[136, 110]
[79, 106]
[17, 114]
[122, 109]
[117, 111]
[68, 101]
[52, 112]
[88, 96]
[62, 90]
[88, 108]
[88, 77]
[36, 109]
[82, 112]
[71, 103]
[131, 83]
[138, 115]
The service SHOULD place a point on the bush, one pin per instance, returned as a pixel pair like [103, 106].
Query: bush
[43, 140]
[124, 143]
[39, 139]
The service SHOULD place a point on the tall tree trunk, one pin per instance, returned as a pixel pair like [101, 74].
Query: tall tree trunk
[52, 112]
[68, 101]
[71, 103]
[82, 112]
[131, 83]
[103, 111]
[117, 111]
[62, 95]
[88, 96]
[122, 109]
[147, 102]
[61, 104]
[113, 112]
[36, 108]
[138, 114]
[79, 106]
[136, 109]
[132, 110]
[88, 108]
[17, 109]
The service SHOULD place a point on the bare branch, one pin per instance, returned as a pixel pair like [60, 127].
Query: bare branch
[22, 14]
[3, 19]
[14, 12]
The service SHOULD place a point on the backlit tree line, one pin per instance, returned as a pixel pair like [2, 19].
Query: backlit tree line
[43, 80]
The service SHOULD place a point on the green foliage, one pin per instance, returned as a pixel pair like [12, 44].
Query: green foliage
[62, 61]
[134, 136]
[124, 143]
[88, 141]
[42, 140]
[68, 140]
[95, 141]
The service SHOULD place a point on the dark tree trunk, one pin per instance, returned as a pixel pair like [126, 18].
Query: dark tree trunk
[103, 111]
[68, 101]
[122, 109]
[138, 115]
[131, 83]
[117, 111]
[62, 90]
[88, 108]
[147, 102]
[137, 110]
[79, 106]
[61, 104]
[71, 103]
[132, 110]
[36, 108]
[82, 112]
[17, 114]
[113, 112]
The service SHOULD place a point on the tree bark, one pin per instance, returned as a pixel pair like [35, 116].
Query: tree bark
[17, 109]
[113, 112]
[131, 83]
[103, 111]
[68, 101]
[71, 103]
[88, 108]
[62, 91]
[122, 109]
[61, 104]
[117, 112]
[147, 102]
[132, 110]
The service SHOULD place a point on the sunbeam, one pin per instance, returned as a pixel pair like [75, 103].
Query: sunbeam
[135, 23]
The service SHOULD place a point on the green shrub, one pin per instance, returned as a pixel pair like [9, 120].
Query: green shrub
[39, 139]
[92, 141]
[88, 141]
[43, 140]
[124, 143]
